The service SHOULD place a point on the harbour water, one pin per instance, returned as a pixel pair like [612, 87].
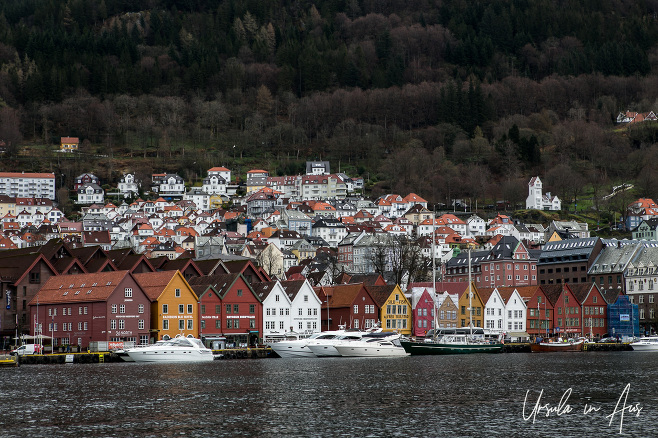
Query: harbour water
[434, 396]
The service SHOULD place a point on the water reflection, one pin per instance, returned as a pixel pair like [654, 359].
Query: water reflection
[479, 395]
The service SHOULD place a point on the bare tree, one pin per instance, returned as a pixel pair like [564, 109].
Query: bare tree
[401, 257]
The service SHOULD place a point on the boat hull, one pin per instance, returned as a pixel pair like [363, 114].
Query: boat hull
[288, 351]
[171, 356]
[324, 350]
[430, 348]
[645, 347]
[549, 347]
[371, 351]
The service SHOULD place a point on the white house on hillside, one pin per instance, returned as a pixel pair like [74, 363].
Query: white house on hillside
[538, 201]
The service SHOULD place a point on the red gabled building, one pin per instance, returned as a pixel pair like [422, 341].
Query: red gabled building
[79, 309]
[229, 308]
[21, 277]
[348, 305]
[594, 309]
[423, 314]
[539, 318]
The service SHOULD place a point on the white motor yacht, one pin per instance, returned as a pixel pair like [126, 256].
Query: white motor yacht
[373, 345]
[294, 345]
[327, 347]
[178, 349]
[649, 343]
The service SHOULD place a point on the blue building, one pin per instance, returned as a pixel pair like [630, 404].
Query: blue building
[623, 318]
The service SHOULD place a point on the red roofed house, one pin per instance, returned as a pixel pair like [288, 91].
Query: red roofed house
[347, 305]
[83, 308]
[69, 144]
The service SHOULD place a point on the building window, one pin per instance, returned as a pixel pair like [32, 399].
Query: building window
[190, 324]
[165, 324]
[305, 298]
[252, 308]
[140, 324]
[114, 309]
[218, 309]
[122, 308]
[228, 308]
[239, 292]
[128, 293]
[181, 309]
[177, 293]
[165, 309]
[35, 277]
[122, 324]
[190, 308]
[236, 308]
[140, 308]
[356, 308]
[113, 324]
[181, 324]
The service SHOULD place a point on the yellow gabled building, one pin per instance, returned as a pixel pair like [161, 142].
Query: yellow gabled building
[395, 310]
[474, 303]
[174, 305]
[69, 144]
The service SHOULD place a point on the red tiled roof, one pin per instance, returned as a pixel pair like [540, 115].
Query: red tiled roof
[97, 286]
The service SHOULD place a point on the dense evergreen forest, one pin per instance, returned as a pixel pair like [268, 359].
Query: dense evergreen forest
[447, 98]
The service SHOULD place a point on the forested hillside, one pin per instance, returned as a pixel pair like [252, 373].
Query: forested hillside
[445, 98]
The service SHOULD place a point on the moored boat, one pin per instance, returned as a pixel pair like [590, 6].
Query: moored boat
[545, 347]
[373, 345]
[294, 345]
[451, 344]
[178, 349]
[327, 347]
[648, 343]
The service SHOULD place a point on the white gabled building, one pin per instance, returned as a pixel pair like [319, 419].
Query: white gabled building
[214, 185]
[505, 311]
[476, 226]
[200, 198]
[90, 193]
[128, 185]
[332, 231]
[536, 200]
[277, 309]
[304, 306]
[221, 172]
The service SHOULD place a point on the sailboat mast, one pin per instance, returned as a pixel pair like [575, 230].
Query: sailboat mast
[470, 294]
[436, 311]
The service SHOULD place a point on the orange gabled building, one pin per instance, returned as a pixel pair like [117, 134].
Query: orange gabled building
[174, 305]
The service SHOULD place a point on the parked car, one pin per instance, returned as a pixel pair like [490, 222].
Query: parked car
[607, 340]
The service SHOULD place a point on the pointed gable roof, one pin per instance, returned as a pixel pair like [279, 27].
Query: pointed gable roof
[154, 283]
[380, 294]
[181, 264]
[342, 295]
[552, 292]
[222, 283]
[211, 266]
[13, 268]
